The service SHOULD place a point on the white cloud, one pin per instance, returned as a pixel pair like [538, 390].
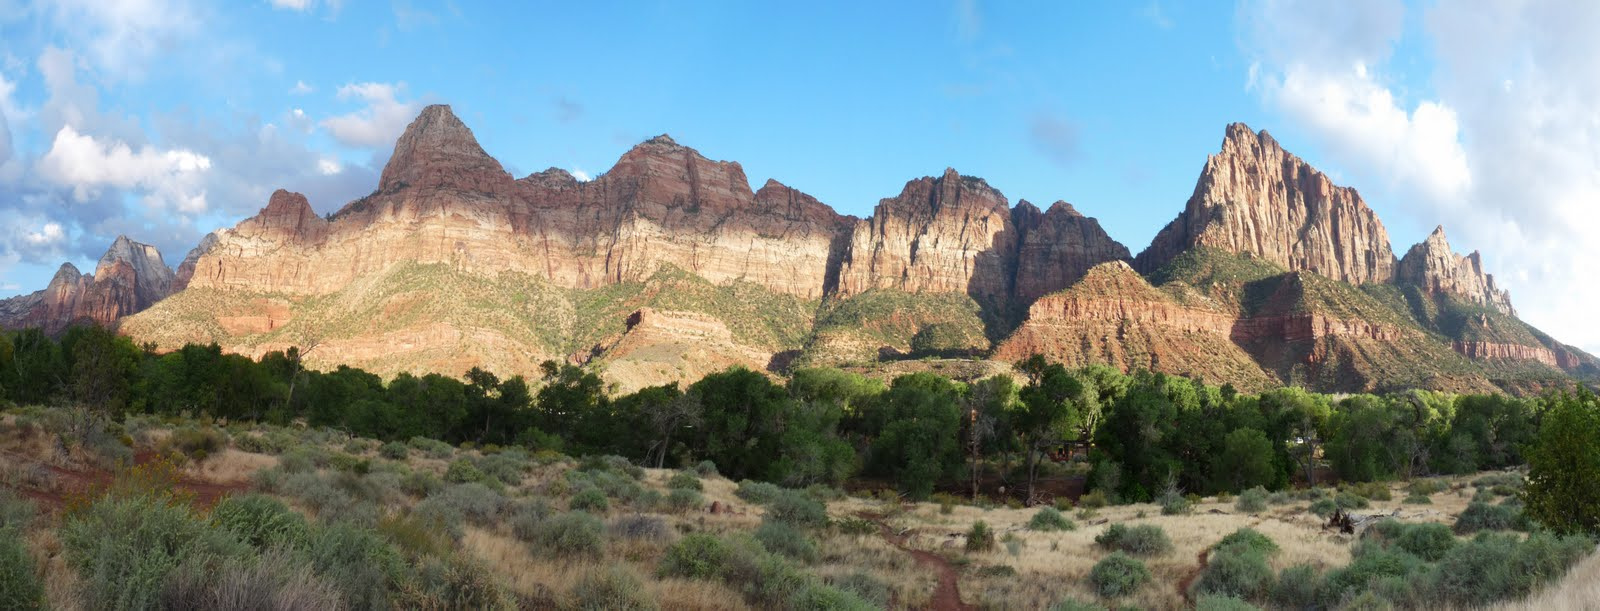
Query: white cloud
[48, 235]
[329, 167]
[581, 175]
[377, 124]
[1502, 146]
[168, 178]
[301, 88]
[293, 5]
[124, 37]
[10, 286]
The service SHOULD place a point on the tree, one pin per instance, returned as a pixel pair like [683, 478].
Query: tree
[1564, 465]
[103, 367]
[1246, 461]
[1045, 415]
[1301, 417]
[913, 427]
[743, 422]
[987, 405]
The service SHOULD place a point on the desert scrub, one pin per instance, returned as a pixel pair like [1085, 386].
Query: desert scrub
[358, 562]
[784, 539]
[19, 583]
[1253, 500]
[1238, 567]
[980, 538]
[589, 499]
[616, 587]
[462, 471]
[1483, 516]
[706, 468]
[1050, 519]
[759, 493]
[640, 528]
[124, 547]
[394, 450]
[508, 466]
[1139, 540]
[797, 508]
[1118, 575]
[432, 448]
[198, 443]
[261, 521]
[681, 500]
[695, 556]
[684, 480]
[1296, 587]
[570, 535]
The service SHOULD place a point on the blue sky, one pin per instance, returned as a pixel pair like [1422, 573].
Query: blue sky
[165, 119]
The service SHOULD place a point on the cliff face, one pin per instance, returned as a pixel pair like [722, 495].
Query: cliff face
[129, 278]
[1254, 197]
[1433, 267]
[1057, 247]
[951, 234]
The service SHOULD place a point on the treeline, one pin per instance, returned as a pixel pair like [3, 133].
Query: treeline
[1146, 432]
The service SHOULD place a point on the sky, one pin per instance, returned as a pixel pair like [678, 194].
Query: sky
[166, 119]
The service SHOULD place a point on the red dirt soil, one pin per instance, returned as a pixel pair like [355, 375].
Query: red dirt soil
[948, 593]
[67, 483]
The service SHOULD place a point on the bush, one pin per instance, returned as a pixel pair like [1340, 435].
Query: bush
[611, 464]
[1483, 516]
[1253, 500]
[1093, 500]
[1370, 565]
[696, 556]
[1323, 507]
[706, 468]
[526, 516]
[616, 587]
[123, 548]
[1425, 487]
[433, 448]
[508, 466]
[797, 508]
[394, 450]
[824, 493]
[589, 499]
[261, 521]
[1373, 491]
[1426, 541]
[421, 484]
[681, 500]
[258, 444]
[1494, 567]
[1296, 587]
[639, 527]
[199, 443]
[784, 539]
[473, 502]
[1418, 499]
[759, 493]
[1238, 568]
[684, 480]
[275, 581]
[1139, 540]
[1498, 480]
[462, 471]
[463, 584]
[1348, 501]
[19, 584]
[865, 586]
[1049, 519]
[359, 563]
[571, 534]
[1118, 575]
[1214, 602]
[299, 460]
[980, 538]
[349, 463]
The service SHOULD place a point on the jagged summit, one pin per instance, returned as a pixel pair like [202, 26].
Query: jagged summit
[437, 149]
[1432, 266]
[1255, 198]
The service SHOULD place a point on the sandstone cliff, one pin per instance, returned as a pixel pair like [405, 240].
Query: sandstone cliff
[1433, 267]
[129, 277]
[1057, 247]
[1254, 197]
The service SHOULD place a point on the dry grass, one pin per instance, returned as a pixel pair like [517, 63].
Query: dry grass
[231, 466]
[1580, 589]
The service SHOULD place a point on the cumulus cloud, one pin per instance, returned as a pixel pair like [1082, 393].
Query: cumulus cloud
[48, 235]
[579, 174]
[1503, 145]
[301, 88]
[377, 124]
[167, 177]
[123, 38]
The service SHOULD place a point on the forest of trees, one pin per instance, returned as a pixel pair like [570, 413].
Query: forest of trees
[1145, 432]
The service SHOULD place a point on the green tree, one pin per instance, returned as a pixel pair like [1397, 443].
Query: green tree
[103, 367]
[1045, 417]
[1564, 465]
[1246, 461]
[742, 412]
[914, 429]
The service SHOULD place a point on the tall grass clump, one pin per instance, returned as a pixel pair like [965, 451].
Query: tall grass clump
[1139, 540]
[1050, 519]
[613, 588]
[261, 521]
[19, 584]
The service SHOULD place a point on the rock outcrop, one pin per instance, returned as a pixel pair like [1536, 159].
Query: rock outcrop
[1057, 247]
[129, 278]
[1254, 197]
[1433, 267]
[951, 234]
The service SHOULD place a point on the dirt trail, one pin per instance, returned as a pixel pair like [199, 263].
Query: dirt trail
[65, 483]
[947, 595]
[1188, 580]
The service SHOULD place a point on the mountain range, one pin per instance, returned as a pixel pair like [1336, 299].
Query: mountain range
[669, 266]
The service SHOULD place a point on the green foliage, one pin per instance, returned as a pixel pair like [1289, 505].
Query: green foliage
[462, 471]
[1297, 587]
[1238, 566]
[1563, 490]
[1495, 567]
[640, 527]
[868, 588]
[784, 539]
[1247, 460]
[124, 547]
[1217, 602]
[696, 556]
[19, 584]
[1253, 500]
[681, 500]
[433, 448]
[1483, 516]
[910, 426]
[261, 521]
[684, 480]
[1372, 491]
[980, 538]
[706, 468]
[1049, 519]
[365, 569]
[1140, 539]
[1118, 575]
[759, 493]
[612, 588]
[592, 500]
[574, 534]
[199, 442]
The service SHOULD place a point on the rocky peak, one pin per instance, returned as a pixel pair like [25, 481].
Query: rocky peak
[138, 266]
[437, 149]
[67, 274]
[552, 179]
[1433, 267]
[1254, 197]
[1056, 248]
[795, 205]
[186, 269]
[287, 217]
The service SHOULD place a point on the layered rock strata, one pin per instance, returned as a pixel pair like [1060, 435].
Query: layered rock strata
[1432, 266]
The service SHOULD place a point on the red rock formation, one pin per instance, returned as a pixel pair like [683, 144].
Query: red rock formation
[1057, 247]
[129, 278]
[950, 234]
[1432, 266]
[1254, 197]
